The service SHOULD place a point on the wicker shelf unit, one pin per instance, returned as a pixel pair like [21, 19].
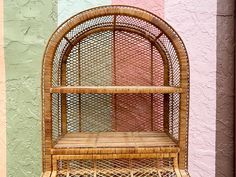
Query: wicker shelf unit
[115, 89]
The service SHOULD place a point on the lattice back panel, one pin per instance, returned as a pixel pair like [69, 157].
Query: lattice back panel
[123, 58]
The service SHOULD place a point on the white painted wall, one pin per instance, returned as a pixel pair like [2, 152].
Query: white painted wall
[67, 8]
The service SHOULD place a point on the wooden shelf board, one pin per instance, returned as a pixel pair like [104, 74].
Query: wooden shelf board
[115, 89]
[115, 140]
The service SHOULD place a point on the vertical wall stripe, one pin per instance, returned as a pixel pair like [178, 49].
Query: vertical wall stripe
[132, 68]
[27, 27]
[2, 100]
[67, 8]
[195, 21]
[154, 6]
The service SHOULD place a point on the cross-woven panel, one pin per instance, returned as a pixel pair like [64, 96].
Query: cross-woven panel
[107, 112]
[117, 57]
[174, 68]
[89, 112]
[116, 168]
[174, 101]
[142, 112]
[56, 117]
[96, 112]
[135, 64]
[96, 60]
[90, 64]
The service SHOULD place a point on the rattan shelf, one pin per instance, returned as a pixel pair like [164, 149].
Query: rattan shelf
[115, 96]
[115, 140]
[116, 89]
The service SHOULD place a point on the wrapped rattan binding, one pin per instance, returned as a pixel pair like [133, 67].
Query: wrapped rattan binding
[115, 89]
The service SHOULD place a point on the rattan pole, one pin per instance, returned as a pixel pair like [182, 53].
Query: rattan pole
[114, 156]
[79, 151]
[184, 106]
[166, 96]
[47, 111]
[116, 89]
[54, 174]
[79, 65]
[152, 84]
[114, 72]
[95, 168]
[63, 100]
[59, 102]
[176, 168]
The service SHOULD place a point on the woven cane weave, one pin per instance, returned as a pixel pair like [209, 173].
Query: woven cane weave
[116, 168]
[117, 70]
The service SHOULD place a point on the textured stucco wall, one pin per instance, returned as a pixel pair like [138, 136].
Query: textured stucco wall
[195, 21]
[27, 26]
[29, 23]
[2, 100]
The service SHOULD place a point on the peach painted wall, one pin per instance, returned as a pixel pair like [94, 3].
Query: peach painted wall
[2, 100]
[195, 21]
[154, 6]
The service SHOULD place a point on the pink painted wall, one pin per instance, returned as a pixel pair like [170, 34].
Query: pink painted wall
[133, 66]
[195, 21]
[154, 6]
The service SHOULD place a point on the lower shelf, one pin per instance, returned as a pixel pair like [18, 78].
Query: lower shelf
[150, 166]
[116, 154]
[117, 167]
[115, 140]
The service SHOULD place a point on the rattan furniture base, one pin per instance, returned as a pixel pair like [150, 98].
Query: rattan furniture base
[116, 165]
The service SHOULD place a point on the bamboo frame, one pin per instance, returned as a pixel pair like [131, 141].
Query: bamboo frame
[47, 88]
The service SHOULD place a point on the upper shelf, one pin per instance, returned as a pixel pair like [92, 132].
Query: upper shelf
[115, 89]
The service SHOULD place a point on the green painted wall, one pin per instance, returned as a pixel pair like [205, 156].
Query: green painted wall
[27, 27]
